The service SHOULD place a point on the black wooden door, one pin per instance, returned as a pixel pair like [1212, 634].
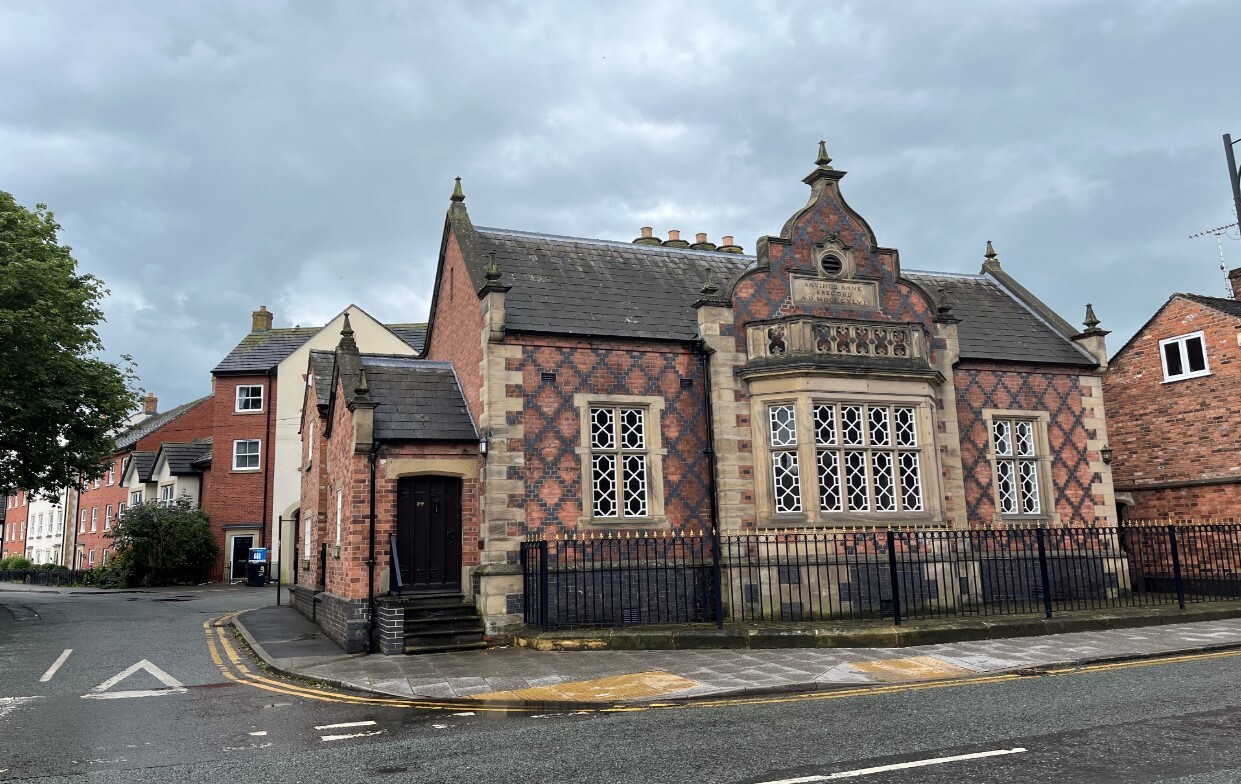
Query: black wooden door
[241, 556]
[428, 540]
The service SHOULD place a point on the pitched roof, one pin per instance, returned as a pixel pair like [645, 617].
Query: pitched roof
[181, 457]
[321, 363]
[414, 335]
[1225, 305]
[130, 438]
[995, 325]
[598, 287]
[142, 463]
[262, 351]
[416, 400]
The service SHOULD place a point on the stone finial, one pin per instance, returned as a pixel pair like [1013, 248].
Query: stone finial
[458, 195]
[991, 255]
[708, 286]
[363, 388]
[1092, 322]
[346, 336]
[493, 269]
[824, 161]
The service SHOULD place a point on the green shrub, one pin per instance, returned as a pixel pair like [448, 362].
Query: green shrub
[16, 563]
[163, 545]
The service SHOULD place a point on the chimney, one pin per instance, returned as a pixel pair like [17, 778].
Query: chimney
[1234, 277]
[674, 239]
[260, 320]
[648, 237]
[726, 244]
[700, 242]
[150, 404]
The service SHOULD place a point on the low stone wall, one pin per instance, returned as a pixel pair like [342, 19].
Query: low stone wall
[343, 620]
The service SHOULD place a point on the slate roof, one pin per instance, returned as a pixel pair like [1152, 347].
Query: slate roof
[995, 325]
[143, 462]
[1230, 306]
[182, 456]
[598, 287]
[417, 400]
[146, 427]
[321, 363]
[262, 351]
[414, 335]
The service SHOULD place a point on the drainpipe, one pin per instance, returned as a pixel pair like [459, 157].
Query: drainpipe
[704, 354]
[370, 559]
[269, 460]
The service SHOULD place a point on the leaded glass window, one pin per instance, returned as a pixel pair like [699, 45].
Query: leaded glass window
[1016, 466]
[619, 462]
[868, 458]
[785, 471]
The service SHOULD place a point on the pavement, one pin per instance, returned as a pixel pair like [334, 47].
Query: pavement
[291, 644]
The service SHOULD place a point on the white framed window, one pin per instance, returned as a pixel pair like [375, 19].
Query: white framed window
[120, 509]
[165, 495]
[94, 519]
[1184, 356]
[107, 518]
[1018, 482]
[618, 462]
[135, 497]
[60, 520]
[105, 556]
[111, 474]
[249, 397]
[246, 455]
[82, 528]
[90, 560]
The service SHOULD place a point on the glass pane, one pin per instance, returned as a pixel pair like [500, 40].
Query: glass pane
[635, 485]
[885, 490]
[880, 432]
[783, 426]
[1197, 357]
[603, 472]
[1029, 486]
[829, 481]
[1003, 437]
[1172, 356]
[602, 428]
[786, 481]
[855, 481]
[632, 431]
[825, 425]
[1024, 437]
[851, 425]
[1007, 485]
[906, 432]
[911, 482]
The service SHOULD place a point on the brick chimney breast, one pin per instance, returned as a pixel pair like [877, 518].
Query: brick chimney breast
[150, 404]
[260, 320]
[1234, 277]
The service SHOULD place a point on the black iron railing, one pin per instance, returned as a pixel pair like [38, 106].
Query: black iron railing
[639, 578]
[47, 577]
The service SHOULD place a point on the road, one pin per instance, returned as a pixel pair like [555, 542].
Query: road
[186, 716]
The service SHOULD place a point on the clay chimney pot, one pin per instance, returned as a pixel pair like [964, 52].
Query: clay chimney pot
[674, 234]
[701, 236]
[647, 231]
[727, 239]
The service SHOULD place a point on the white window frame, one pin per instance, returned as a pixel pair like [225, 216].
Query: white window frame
[107, 518]
[120, 510]
[652, 450]
[1181, 342]
[82, 528]
[94, 519]
[111, 473]
[257, 455]
[1038, 421]
[90, 561]
[135, 497]
[167, 494]
[239, 399]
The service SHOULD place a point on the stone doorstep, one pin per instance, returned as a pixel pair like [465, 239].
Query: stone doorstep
[863, 635]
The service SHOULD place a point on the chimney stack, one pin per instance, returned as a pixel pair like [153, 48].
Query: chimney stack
[674, 239]
[150, 404]
[700, 242]
[648, 237]
[1234, 277]
[260, 320]
[727, 246]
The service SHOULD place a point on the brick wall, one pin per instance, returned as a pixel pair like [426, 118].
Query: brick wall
[1034, 389]
[14, 522]
[553, 496]
[232, 497]
[456, 334]
[1178, 431]
[99, 498]
[313, 505]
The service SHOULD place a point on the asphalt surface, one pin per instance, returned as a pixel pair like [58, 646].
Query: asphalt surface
[1161, 721]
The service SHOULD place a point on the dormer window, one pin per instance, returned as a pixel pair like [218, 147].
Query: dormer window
[250, 397]
[1184, 357]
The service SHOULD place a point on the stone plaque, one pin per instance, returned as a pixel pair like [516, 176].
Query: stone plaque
[822, 291]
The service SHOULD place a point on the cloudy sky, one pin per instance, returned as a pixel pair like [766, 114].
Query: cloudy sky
[208, 157]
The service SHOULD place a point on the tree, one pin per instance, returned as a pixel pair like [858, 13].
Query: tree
[60, 404]
[163, 544]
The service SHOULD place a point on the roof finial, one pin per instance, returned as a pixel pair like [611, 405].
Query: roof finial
[990, 255]
[824, 161]
[708, 286]
[346, 331]
[1092, 321]
[363, 388]
[457, 193]
[493, 269]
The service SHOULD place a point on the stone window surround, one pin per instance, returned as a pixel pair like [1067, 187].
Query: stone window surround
[1042, 451]
[654, 407]
[807, 393]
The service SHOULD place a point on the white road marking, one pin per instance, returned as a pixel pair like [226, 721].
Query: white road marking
[101, 692]
[465, 713]
[326, 738]
[10, 704]
[47, 676]
[259, 734]
[342, 725]
[848, 774]
[440, 726]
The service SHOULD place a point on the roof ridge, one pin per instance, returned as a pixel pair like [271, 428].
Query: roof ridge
[621, 243]
[942, 274]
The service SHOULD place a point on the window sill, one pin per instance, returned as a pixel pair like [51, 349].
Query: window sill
[1186, 377]
[246, 470]
[627, 522]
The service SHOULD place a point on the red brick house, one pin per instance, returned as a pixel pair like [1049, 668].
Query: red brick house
[818, 383]
[1173, 395]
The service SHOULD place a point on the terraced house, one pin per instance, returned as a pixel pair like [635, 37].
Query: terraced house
[669, 386]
